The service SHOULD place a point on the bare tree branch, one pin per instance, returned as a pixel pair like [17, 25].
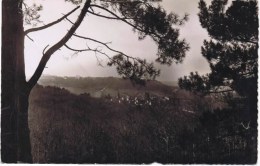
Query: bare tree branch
[104, 44]
[43, 52]
[77, 50]
[112, 13]
[122, 19]
[114, 61]
[88, 49]
[29, 38]
[108, 17]
[135, 60]
[97, 41]
[153, 35]
[45, 58]
[69, 20]
[96, 51]
[50, 24]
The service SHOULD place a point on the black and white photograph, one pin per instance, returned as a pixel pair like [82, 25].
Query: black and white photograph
[129, 81]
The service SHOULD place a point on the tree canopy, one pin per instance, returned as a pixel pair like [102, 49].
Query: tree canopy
[146, 17]
[231, 51]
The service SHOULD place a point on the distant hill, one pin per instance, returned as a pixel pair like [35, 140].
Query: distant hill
[170, 83]
[102, 86]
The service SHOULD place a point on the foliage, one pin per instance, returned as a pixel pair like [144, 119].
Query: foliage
[147, 18]
[79, 129]
[231, 53]
[232, 50]
[155, 22]
[31, 14]
[194, 83]
[226, 129]
[138, 70]
[76, 2]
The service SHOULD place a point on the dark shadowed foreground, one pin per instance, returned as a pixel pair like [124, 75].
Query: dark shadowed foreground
[68, 128]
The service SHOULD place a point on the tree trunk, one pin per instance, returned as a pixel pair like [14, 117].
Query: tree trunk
[23, 132]
[15, 142]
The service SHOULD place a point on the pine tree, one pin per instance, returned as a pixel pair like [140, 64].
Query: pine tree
[144, 16]
[231, 51]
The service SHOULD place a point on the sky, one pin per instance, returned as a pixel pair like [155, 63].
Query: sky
[65, 63]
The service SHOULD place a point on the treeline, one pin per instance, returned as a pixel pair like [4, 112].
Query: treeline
[103, 82]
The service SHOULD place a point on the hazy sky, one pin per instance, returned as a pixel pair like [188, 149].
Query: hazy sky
[64, 63]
